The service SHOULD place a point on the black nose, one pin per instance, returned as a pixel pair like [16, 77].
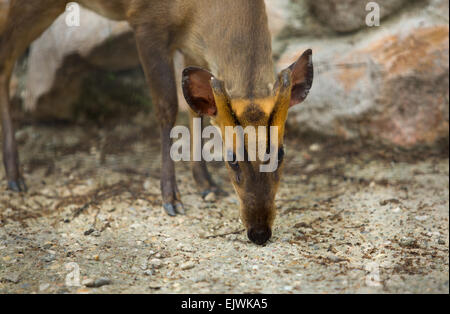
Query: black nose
[259, 235]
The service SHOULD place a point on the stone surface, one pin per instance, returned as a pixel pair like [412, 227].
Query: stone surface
[389, 84]
[350, 15]
[187, 265]
[290, 20]
[11, 277]
[63, 56]
[97, 283]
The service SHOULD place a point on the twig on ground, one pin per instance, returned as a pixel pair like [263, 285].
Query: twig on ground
[225, 234]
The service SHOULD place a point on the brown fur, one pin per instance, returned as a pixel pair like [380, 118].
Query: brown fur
[4, 9]
[230, 38]
[208, 95]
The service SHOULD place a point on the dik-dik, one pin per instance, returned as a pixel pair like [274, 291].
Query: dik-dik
[230, 78]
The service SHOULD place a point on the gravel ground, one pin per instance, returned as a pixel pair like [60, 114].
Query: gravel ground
[351, 219]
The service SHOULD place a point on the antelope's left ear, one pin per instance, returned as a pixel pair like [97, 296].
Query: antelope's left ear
[198, 92]
[302, 74]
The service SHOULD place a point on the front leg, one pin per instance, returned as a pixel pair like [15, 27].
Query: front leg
[199, 169]
[157, 62]
[9, 146]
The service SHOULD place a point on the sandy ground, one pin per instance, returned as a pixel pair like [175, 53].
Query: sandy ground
[350, 220]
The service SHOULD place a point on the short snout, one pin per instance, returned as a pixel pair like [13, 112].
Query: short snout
[259, 235]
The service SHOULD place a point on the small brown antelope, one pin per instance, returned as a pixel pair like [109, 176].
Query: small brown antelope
[229, 38]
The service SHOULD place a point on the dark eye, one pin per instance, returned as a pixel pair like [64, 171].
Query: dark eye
[234, 165]
[280, 154]
[233, 161]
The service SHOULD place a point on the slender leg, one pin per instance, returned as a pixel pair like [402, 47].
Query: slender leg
[26, 21]
[200, 172]
[10, 154]
[157, 63]
[199, 168]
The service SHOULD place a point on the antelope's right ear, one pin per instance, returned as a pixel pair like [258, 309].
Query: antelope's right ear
[198, 92]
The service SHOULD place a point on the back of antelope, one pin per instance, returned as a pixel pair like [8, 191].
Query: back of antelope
[230, 77]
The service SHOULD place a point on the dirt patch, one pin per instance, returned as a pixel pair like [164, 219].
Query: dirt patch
[351, 218]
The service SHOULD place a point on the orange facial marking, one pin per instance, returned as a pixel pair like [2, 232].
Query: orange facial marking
[255, 112]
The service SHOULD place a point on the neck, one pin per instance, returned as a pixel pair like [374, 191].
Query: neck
[239, 52]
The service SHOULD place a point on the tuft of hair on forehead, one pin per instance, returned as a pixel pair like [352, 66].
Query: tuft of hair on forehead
[253, 114]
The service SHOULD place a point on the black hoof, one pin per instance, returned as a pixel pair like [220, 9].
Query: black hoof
[17, 186]
[180, 209]
[220, 192]
[170, 209]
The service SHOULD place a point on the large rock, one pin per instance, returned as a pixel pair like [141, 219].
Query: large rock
[350, 15]
[292, 19]
[63, 60]
[63, 56]
[389, 84]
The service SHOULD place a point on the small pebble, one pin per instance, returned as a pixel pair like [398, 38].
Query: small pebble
[187, 265]
[144, 265]
[154, 286]
[12, 277]
[421, 218]
[149, 273]
[147, 185]
[44, 286]
[335, 259]
[49, 258]
[89, 231]
[200, 278]
[408, 242]
[96, 233]
[287, 288]
[156, 263]
[310, 168]
[100, 282]
[315, 147]
[88, 282]
[25, 286]
[47, 245]
[211, 197]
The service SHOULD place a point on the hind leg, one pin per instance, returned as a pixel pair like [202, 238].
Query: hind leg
[200, 171]
[26, 21]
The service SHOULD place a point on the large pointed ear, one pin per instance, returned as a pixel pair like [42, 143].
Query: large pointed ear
[302, 74]
[198, 92]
